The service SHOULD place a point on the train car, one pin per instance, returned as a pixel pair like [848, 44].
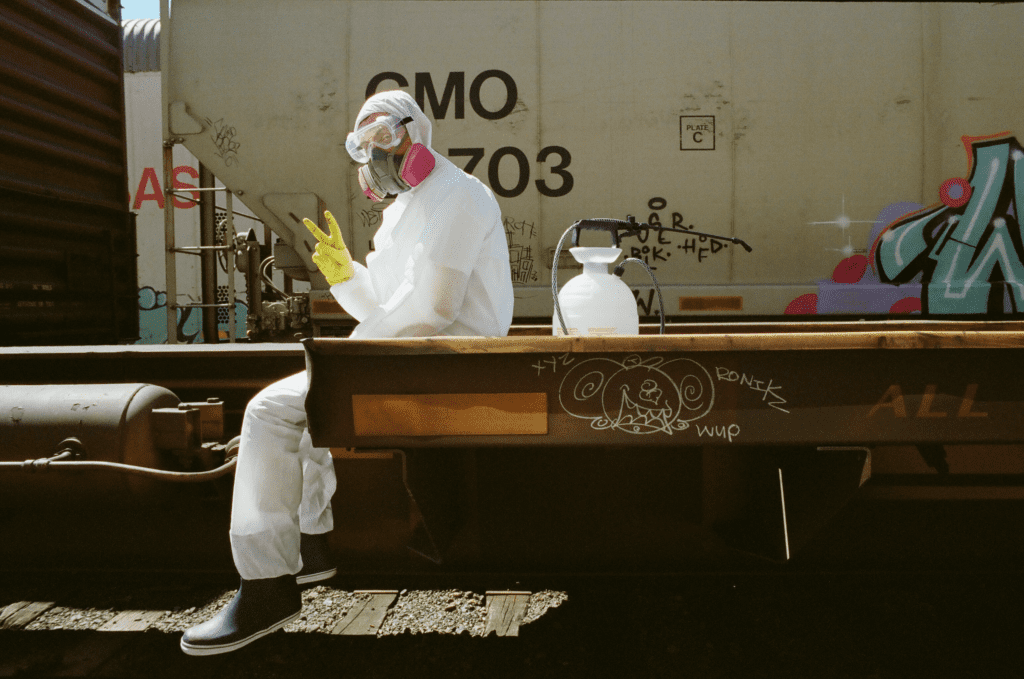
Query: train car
[863, 347]
[67, 263]
[807, 130]
[141, 40]
[142, 85]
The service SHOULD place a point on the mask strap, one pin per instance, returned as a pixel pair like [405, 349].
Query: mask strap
[404, 122]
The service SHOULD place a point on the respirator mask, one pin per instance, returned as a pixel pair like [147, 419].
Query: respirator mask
[384, 173]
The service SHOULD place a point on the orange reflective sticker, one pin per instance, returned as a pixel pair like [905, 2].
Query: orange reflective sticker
[449, 414]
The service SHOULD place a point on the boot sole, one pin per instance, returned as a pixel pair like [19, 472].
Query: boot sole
[191, 649]
[316, 577]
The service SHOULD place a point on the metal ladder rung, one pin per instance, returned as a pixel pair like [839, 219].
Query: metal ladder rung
[197, 249]
[216, 188]
[170, 250]
[225, 305]
[237, 214]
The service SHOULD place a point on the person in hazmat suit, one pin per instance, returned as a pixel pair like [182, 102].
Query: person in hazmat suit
[440, 266]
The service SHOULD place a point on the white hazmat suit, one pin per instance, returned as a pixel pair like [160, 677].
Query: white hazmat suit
[440, 266]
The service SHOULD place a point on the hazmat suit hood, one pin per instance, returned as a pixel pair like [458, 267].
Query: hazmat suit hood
[401, 104]
[440, 261]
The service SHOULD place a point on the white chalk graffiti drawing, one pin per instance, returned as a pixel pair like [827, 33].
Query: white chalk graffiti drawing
[638, 395]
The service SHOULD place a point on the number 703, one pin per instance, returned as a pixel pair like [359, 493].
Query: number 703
[563, 180]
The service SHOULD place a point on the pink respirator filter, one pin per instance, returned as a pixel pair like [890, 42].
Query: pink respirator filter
[419, 162]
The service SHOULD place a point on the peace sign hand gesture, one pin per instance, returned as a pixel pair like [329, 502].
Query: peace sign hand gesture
[331, 256]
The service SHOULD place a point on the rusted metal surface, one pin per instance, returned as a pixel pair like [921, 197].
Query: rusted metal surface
[937, 383]
[808, 325]
[98, 424]
[64, 61]
[233, 373]
[68, 254]
[617, 499]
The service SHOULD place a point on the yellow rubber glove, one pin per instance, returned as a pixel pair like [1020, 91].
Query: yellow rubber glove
[331, 256]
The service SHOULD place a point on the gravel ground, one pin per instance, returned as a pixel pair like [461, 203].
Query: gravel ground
[69, 618]
[182, 618]
[855, 625]
[542, 602]
[322, 607]
[448, 611]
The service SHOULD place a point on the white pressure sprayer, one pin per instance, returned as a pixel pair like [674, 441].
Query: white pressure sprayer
[597, 302]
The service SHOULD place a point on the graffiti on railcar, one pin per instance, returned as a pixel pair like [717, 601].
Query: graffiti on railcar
[765, 388]
[652, 395]
[153, 319]
[968, 248]
[658, 247]
[373, 216]
[521, 236]
[961, 256]
[223, 138]
[724, 431]
[553, 362]
[637, 395]
[894, 403]
[855, 286]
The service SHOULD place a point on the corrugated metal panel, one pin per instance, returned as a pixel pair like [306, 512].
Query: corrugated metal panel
[141, 39]
[67, 260]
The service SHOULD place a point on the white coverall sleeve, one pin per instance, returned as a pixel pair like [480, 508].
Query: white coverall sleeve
[436, 275]
[422, 306]
[356, 295]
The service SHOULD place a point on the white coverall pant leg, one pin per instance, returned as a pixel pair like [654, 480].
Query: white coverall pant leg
[282, 483]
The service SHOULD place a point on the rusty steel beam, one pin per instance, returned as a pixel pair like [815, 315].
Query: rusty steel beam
[939, 383]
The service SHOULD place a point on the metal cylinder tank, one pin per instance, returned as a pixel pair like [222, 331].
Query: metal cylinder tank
[113, 423]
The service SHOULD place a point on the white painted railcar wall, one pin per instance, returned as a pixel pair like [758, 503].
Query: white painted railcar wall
[790, 125]
[145, 172]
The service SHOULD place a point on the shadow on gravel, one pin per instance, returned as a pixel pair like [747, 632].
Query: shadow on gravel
[814, 625]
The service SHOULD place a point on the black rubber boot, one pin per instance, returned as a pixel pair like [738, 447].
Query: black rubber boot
[317, 564]
[259, 608]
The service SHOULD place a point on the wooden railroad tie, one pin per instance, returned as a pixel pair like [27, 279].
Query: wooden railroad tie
[132, 621]
[505, 612]
[20, 614]
[366, 616]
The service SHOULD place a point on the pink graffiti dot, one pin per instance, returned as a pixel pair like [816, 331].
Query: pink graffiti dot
[906, 305]
[955, 192]
[850, 270]
[804, 304]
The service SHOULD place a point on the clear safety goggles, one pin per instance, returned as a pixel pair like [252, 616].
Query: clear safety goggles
[385, 133]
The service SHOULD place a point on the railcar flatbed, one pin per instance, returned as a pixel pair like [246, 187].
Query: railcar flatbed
[742, 384]
[568, 452]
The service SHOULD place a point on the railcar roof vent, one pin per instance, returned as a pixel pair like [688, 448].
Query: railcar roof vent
[141, 45]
